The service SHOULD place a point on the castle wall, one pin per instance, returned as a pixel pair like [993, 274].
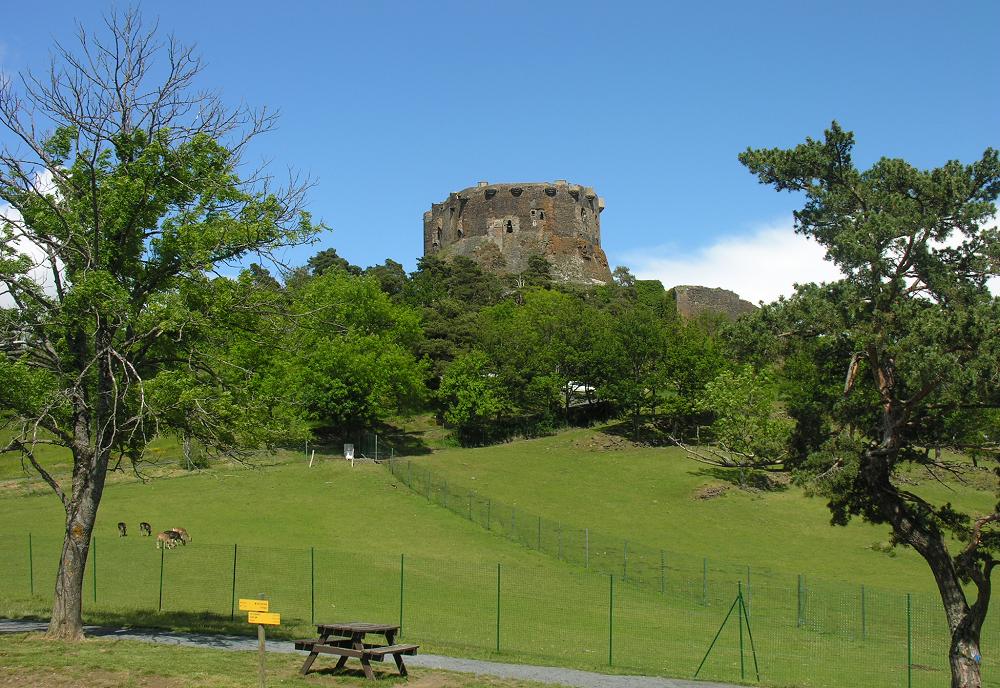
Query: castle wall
[488, 222]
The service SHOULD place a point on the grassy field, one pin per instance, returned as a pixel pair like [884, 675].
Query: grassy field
[656, 497]
[29, 660]
[332, 542]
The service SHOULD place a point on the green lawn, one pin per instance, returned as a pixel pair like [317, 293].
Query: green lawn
[649, 496]
[335, 542]
[30, 660]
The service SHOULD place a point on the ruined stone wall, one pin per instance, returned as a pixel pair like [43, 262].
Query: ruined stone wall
[502, 225]
[694, 300]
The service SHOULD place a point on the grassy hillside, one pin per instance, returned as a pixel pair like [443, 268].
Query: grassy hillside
[661, 498]
[332, 542]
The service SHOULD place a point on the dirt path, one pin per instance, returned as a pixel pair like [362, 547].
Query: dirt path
[525, 672]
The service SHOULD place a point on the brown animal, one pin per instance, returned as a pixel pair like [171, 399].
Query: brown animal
[122, 530]
[182, 534]
[145, 529]
[167, 539]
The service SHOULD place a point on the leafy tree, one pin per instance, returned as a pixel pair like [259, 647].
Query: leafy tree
[121, 215]
[542, 348]
[924, 339]
[475, 402]
[327, 260]
[390, 275]
[633, 371]
[348, 361]
[449, 295]
[749, 431]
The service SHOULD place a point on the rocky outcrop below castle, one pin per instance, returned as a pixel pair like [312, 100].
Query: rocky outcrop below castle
[502, 225]
[692, 301]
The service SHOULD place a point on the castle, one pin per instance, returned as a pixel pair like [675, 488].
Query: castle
[501, 226]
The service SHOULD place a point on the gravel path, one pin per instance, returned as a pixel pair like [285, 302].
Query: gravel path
[554, 675]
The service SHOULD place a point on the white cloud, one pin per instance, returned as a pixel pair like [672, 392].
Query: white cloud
[759, 266]
[10, 220]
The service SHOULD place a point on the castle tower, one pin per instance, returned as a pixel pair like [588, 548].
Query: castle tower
[502, 225]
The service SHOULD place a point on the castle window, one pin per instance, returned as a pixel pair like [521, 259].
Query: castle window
[537, 213]
[516, 191]
[490, 193]
[541, 214]
[510, 227]
[550, 191]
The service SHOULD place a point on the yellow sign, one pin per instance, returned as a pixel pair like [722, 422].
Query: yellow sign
[253, 605]
[264, 618]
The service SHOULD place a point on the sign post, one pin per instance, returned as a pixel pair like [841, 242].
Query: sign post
[257, 613]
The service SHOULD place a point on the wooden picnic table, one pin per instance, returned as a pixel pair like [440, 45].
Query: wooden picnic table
[348, 640]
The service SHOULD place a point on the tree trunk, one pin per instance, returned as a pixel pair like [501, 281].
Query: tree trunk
[964, 658]
[67, 618]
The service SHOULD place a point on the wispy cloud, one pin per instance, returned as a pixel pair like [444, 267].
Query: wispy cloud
[759, 266]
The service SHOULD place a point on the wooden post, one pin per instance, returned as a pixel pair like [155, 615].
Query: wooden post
[261, 650]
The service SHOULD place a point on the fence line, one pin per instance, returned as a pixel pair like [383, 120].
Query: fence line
[650, 567]
[815, 634]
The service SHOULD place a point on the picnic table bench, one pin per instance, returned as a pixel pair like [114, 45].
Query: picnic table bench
[347, 640]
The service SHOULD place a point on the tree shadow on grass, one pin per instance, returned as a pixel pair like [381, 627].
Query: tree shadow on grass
[751, 480]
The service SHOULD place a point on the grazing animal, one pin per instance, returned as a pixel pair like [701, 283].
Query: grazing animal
[122, 530]
[182, 534]
[145, 529]
[167, 539]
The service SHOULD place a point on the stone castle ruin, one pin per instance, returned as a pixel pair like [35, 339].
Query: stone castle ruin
[501, 226]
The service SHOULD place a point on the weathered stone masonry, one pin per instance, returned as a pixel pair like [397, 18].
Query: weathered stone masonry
[490, 222]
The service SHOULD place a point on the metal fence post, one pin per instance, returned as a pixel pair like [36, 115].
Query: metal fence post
[625, 562]
[498, 606]
[739, 597]
[312, 585]
[159, 607]
[232, 609]
[611, 616]
[31, 568]
[747, 599]
[864, 621]
[799, 621]
[402, 559]
[909, 643]
[704, 581]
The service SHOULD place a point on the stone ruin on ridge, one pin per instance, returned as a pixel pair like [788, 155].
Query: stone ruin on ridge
[501, 226]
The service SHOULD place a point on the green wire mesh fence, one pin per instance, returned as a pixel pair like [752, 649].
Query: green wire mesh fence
[805, 633]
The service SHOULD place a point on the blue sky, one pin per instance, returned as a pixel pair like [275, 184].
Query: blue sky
[392, 105]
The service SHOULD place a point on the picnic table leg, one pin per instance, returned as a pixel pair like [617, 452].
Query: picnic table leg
[399, 663]
[390, 639]
[313, 655]
[366, 665]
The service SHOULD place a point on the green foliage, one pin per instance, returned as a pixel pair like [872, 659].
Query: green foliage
[917, 332]
[474, 399]
[749, 429]
[348, 361]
